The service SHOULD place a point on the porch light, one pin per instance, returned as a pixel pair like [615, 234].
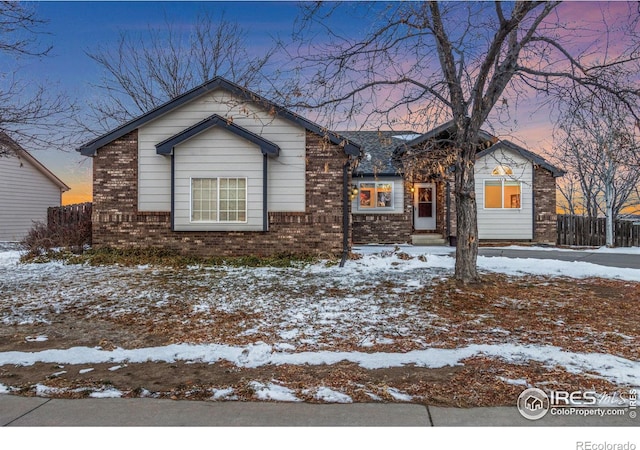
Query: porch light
[354, 191]
[413, 189]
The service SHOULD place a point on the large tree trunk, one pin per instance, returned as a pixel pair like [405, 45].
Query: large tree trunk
[466, 216]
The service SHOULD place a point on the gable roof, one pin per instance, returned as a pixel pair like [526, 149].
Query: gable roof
[441, 129]
[90, 148]
[266, 147]
[536, 159]
[485, 137]
[21, 153]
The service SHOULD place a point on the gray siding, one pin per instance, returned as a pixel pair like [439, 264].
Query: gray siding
[212, 154]
[505, 223]
[286, 172]
[26, 195]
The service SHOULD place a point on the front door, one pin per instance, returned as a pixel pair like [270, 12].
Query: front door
[424, 206]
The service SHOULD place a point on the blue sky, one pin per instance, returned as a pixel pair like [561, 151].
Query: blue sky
[77, 27]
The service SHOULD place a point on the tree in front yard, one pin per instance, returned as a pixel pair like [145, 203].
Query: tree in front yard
[417, 62]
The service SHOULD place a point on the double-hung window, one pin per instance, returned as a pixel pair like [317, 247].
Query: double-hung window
[219, 200]
[375, 195]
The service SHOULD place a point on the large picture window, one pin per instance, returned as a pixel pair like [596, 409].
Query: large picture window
[502, 194]
[374, 195]
[218, 199]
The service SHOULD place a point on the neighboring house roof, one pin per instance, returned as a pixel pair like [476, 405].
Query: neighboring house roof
[21, 153]
[378, 150]
[90, 148]
[166, 147]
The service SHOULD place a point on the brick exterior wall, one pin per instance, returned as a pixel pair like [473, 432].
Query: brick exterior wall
[544, 194]
[384, 228]
[318, 231]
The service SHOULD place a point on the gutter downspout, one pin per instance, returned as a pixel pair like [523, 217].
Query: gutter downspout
[265, 184]
[345, 212]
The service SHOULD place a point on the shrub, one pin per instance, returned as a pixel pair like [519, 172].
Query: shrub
[42, 238]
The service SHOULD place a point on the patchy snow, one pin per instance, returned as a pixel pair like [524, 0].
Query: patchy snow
[4, 389]
[328, 395]
[613, 368]
[301, 312]
[106, 393]
[223, 394]
[39, 338]
[399, 395]
[114, 368]
[271, 391]
[516, 382]
[83, 371]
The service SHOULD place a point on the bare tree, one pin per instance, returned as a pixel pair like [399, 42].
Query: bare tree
[423, 62]
[34, 115]
[148, 69]
[598, 141]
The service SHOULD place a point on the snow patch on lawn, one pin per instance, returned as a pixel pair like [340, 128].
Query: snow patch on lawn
[106, 393]
[3, 389]
[399, 395]
[40, 338]
[223, 394]
[328, 395]
[271, 391]
[613, 368]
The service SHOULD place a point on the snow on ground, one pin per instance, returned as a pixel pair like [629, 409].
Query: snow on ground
[613, 368]
[331, 396]
[604, 249]
[307, 307]
[272, 391]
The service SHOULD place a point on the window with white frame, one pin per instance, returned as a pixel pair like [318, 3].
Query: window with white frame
[375, 195]
[218, 199]
[502, 194]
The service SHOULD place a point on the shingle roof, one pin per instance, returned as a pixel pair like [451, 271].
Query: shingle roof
[378, 150]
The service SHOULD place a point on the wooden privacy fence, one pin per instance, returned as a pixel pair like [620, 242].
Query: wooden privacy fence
[71, 224]
[591, 232]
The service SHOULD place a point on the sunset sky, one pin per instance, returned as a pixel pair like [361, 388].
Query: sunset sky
[77, 27]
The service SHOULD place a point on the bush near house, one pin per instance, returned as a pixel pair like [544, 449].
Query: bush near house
[67, 227]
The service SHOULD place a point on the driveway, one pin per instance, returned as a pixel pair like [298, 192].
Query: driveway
[631, 261]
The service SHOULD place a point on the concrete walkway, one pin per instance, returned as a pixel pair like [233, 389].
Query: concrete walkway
[36, 411]
[604, 259]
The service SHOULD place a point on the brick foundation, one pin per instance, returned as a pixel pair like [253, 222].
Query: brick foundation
[318, 231]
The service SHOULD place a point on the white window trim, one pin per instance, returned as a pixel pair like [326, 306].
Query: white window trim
[502, 180]
[246, 202]
[376, 208]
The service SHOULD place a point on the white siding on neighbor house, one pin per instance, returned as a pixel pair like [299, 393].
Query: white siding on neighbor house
[505, 223]
[26, 195]
[218, 153]
[398, 195]
[286, 172]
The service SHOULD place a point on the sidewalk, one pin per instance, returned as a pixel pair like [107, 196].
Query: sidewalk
[36, 411]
